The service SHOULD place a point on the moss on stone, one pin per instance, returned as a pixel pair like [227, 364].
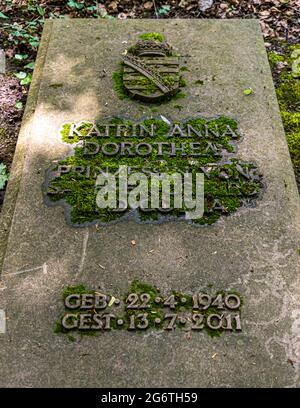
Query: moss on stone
[182, 82]
[65, 134]
[152, 36]
[71, 290]
[179, 95]
[183, 306]
[169, 80]
[119, 87]
[78, 290]
[141, 87]
[139, 287]
[226, 183]
[149, 86]
[179, 107]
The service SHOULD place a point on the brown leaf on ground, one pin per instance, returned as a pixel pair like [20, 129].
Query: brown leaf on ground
[264, 14]
[148, 5]
[113, 6]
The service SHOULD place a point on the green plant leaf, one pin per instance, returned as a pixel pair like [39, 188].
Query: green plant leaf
[164, 9]
[74, 4]
[26, 80]
[108, 17]
[30, 65]
[19, 105]
[248, 91]
[21, 75]
[21, 56]
[34, 42]
[2, 15]
[3, 175]
[41, 11]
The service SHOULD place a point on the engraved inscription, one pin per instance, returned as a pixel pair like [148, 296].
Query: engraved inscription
[154, 148]
[139, 311]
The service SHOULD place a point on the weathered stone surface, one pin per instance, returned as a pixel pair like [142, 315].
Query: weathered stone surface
[254, 251]
[2, 62]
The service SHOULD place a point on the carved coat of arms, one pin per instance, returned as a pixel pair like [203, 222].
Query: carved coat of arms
[151, 70]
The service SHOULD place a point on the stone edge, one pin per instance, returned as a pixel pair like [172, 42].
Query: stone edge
[14, 182]
[274, 110]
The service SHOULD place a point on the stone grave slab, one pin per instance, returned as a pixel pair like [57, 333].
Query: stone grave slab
[174, 287]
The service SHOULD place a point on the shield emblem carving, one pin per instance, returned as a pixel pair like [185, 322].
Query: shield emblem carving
[151, 71]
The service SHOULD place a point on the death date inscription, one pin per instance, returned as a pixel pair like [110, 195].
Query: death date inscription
[141, 311]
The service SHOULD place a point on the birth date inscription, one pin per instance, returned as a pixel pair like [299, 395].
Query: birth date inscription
[138, 311]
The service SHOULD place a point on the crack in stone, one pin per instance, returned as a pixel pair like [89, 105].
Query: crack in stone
[36, 268]
[83, 253]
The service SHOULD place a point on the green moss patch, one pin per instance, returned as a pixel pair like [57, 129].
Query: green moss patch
[119, 87]
[229, 182]
[288, 95]
[152, 36]
[274, 58]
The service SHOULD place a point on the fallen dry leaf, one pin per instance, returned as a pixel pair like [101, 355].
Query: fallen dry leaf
[264, 14]
[224, 6]
[112, 301]
[148, 5]
[113, 6]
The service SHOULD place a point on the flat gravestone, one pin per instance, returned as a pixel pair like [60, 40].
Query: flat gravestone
[96, 297]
